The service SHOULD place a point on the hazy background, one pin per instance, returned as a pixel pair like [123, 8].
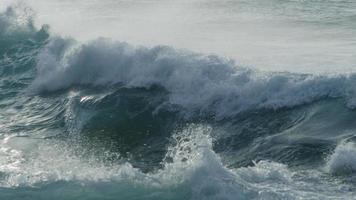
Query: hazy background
[305, 36]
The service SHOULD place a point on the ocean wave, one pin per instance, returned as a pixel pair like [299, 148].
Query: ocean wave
[199, 83]
[87, 104]
[196, 82]
[16, 26]
[16, 19]
[191, 170]
[343, 160]
[192, 161]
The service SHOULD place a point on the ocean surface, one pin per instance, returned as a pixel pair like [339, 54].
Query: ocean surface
[176, 100]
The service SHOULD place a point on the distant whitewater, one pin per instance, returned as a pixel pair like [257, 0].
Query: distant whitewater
[108, 120]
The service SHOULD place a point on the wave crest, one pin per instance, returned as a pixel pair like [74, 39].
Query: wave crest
[17, 28]
[200, 83]
[343, 160]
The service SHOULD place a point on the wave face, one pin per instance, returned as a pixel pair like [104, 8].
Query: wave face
[108, 120]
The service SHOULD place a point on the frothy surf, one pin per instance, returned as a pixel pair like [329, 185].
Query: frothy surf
[196, 82]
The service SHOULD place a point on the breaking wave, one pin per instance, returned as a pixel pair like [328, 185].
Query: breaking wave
[199, 83]
[108, 120]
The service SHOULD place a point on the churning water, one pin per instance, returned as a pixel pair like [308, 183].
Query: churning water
[177, 99]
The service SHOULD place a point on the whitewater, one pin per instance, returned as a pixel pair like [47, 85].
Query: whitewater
[177, 99]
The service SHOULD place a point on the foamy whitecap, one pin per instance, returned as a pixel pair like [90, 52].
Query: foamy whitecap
[343, 160]
[192, 170]
[203, 83]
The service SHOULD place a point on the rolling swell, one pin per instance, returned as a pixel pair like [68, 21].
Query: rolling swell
[148, 123]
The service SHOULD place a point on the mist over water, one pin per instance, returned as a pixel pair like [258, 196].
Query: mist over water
[198, 99]
[314, 36]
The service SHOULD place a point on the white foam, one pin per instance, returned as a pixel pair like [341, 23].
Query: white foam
[36, 163]
[194, 170]
[343, 160]
[15, 20]
[203, 83]
[194, 165]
